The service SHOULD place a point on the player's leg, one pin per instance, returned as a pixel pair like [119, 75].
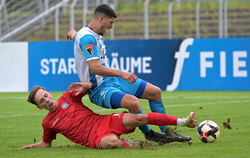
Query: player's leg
[130, 102]
[113, 141]
[127, 101]
[113, 97]
[162, 119]
[113, 122]
[153, 94]
[137, 89]
[131, 121]
[143, 89]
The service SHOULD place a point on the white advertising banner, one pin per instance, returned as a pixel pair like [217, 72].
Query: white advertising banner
[14, 67]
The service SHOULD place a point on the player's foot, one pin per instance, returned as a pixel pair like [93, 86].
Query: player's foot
[171, 133]
[174, 137]
[154, 136]
[166, 138]
[130, 143]
[190, 121]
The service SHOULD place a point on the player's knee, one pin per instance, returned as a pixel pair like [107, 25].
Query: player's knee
[113, 143]
[132, 104]
[140, 119]
[156, 94]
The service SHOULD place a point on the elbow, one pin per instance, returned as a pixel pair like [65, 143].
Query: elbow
[93, 69]
[45, 144]
[48, 145]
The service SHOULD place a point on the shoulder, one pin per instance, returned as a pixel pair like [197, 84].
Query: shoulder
[84, 35]
[87, 39]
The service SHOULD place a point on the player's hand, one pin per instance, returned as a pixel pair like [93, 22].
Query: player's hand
[80, 88]
[128, 76]
[41, 144]
[71, 35]
[26, 147]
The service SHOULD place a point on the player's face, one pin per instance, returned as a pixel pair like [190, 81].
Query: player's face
[45, 100]
[107, 24]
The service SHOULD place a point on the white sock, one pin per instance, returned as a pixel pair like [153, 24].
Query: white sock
[181, 122]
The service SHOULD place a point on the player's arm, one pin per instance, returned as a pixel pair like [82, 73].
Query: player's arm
[88, 45]
[99, 69]
[41, 144]
[71, 35]
[79, 89]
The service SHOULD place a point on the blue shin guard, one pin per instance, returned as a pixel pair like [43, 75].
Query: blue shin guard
[157, 106]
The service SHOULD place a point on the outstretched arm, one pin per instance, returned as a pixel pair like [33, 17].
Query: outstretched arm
[41, 144]
[80, 88]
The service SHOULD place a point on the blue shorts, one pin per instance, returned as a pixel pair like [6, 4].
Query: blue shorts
[101, 95]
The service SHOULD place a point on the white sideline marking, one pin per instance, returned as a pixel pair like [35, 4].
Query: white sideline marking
[24, 97]
[119, 110]
[164, 97]
[18, 115]
[205, 97]
[12, 97]
[209, 103]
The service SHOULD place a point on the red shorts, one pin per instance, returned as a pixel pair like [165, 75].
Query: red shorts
[112, 124]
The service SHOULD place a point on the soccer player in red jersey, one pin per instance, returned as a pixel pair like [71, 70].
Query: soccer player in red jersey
[71, 118]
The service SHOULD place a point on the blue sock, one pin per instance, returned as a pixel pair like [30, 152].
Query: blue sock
[157, 106]
[143, 128]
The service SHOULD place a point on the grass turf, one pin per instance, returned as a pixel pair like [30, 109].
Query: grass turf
[20, 124]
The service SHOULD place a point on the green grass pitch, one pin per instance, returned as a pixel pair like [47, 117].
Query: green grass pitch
[20, 124]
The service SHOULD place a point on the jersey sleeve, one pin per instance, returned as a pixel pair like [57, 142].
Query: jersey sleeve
[89, 47]
[48, 134]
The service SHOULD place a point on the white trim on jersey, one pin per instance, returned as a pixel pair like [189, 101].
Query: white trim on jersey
[92, 58]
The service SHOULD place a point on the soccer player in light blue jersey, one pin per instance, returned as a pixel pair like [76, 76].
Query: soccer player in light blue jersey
[113, 88]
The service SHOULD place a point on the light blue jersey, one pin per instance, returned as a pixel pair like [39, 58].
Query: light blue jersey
[89, 46]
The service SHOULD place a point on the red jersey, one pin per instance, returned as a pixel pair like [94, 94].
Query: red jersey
[73, 120]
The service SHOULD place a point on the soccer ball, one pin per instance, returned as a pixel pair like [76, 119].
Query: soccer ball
[208, 131]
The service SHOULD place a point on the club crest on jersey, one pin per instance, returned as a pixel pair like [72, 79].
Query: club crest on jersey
[65, 105]
[90, 49]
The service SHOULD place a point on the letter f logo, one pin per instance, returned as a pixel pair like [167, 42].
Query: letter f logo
[180, 56]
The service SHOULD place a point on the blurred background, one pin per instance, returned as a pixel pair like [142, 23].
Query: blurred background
[49, 20]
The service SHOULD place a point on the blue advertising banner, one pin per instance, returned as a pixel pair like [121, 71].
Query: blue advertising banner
[212, 64]
[51, 65]
[150, 60]
[189, 64]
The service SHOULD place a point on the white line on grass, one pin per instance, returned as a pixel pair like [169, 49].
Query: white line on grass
[119, 110]
[18, 115]
[12, 97]
[164, 97]
[21, 97]
[206, 97]
[208, 103]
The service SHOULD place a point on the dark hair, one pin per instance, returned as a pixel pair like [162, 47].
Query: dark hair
[31, 97]
[105, 10]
